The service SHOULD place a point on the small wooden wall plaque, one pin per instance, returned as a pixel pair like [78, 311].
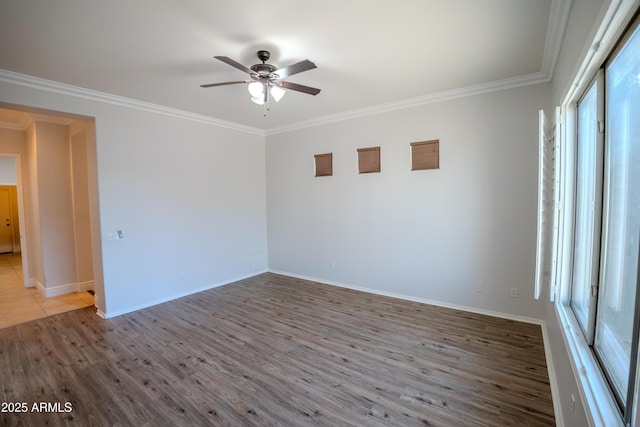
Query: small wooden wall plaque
[425, 155]
[369, 160]
[324, 164]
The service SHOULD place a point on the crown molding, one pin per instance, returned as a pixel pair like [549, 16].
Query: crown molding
[21, 122]
[558, 18]
[556, 27]
[11, 125]
[78, 92]
[25, 121]
[93, 95]
[60, 120]
[27, 118]
[479, 89]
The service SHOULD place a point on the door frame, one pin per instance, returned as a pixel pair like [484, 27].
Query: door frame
[21, 218]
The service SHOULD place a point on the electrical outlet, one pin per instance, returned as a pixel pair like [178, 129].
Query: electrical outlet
[514, 292]
[479, 287]
[333, 265]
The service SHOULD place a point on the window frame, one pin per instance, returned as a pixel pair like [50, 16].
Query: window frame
[594, 389]
[598, 81]
[630, 30]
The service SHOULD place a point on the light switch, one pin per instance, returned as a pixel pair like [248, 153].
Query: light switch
[115, 236]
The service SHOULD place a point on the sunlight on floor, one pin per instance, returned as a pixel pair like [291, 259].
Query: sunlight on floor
[19, 304]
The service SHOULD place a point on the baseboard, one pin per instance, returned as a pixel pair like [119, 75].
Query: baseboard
[115, 313]
[35, 283]
[86, 286]
[553, 382]
[469, 309]
[557, 407]
[55, 291]
[555, 393]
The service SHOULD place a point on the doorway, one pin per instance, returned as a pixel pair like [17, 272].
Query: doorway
[29, 296]
[12, 212]
[9, 232]
[11, 220]
[20, 302]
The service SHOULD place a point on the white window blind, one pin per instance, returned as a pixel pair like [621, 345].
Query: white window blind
[559, 197]
[546, 204]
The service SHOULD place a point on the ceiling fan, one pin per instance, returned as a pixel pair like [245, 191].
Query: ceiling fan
[267, 79]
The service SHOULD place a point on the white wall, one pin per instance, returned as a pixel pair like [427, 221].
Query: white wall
[188, 196]
[575, 44]
[55, 204]
[79, 145]
[33, 229]
[7, 170]
[426, 234]
[12, 141]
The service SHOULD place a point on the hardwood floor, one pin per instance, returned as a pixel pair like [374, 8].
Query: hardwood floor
[273, 350]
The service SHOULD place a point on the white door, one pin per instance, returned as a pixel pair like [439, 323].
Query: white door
[6, 231]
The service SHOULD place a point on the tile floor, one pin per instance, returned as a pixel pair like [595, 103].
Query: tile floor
[19, 304]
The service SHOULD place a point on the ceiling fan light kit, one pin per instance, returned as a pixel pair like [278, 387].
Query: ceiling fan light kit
[259, 92]
[267, 79]
[277, 92]
[256, 88]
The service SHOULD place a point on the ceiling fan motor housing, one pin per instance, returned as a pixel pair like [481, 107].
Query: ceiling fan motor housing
[264, 70]
[263, 55]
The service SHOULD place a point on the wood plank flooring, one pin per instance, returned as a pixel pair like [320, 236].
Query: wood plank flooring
[273, 350]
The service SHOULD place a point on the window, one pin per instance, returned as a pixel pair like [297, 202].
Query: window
[586, 245]
[425, 155]
[369, 160]
[606, 244]
[324, 164]
[614, 343]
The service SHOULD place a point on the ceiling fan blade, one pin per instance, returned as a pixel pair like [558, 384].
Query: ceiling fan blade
[295, 69]
[299, 88]
[235, 64]
[226, 83]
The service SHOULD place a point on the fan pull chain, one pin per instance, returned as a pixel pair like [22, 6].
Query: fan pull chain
[266, 101]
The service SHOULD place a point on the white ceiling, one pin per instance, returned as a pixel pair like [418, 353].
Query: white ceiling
[369, 53]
